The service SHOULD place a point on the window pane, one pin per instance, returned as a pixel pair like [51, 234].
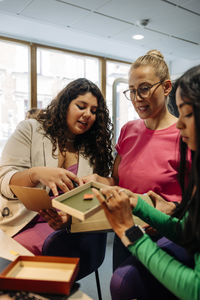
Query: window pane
[123, 110]
[55, 69]
[14, 87]
[114, 70]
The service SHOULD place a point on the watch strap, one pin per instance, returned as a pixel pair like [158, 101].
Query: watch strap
[132, 234]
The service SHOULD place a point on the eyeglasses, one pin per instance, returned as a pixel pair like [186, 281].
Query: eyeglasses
[143, 91]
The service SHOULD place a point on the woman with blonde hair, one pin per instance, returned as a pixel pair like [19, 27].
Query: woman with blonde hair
[147, 149]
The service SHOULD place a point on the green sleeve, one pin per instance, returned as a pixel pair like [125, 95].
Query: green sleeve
[166, 225]
[181, 280]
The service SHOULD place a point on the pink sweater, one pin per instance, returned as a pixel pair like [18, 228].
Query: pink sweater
[149, 159]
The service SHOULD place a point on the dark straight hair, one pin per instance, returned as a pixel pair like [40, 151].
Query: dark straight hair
[189, 84]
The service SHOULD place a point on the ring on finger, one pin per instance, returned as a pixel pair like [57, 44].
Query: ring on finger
[109, 197]
[121, 190]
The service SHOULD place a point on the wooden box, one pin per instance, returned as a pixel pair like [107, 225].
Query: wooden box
[74, 204]
[87, 211]
[42, 274]
[99, 222]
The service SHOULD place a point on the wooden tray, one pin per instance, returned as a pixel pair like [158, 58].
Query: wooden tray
[74, 204]
[42, 274]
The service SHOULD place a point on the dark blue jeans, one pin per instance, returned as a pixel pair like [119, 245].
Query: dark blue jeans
[133, 281]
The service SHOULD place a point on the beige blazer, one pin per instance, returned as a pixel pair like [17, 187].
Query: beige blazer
[26, 148]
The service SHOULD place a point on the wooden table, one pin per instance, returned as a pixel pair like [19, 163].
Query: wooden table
[10, 249]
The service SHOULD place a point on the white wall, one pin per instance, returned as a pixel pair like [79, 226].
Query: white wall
[178, 67]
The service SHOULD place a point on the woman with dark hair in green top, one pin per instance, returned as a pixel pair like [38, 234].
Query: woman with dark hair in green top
[155, 273]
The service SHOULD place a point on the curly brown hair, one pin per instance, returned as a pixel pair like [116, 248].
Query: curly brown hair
[96, 143]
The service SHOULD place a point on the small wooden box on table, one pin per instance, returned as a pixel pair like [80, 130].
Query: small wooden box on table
[42, 274]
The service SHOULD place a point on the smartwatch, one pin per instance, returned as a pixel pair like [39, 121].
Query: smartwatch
[132, 234]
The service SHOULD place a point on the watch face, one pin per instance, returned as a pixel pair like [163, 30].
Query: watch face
[134, 233]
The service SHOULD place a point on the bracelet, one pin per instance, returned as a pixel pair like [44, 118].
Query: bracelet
[29, 176]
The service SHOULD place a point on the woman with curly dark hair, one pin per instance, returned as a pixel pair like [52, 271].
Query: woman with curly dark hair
[93, 142]
[71, 138]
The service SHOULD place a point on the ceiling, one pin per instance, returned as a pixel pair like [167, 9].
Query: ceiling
[105, 27]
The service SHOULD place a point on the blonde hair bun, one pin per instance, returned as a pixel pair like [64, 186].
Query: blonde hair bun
[155, 53]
